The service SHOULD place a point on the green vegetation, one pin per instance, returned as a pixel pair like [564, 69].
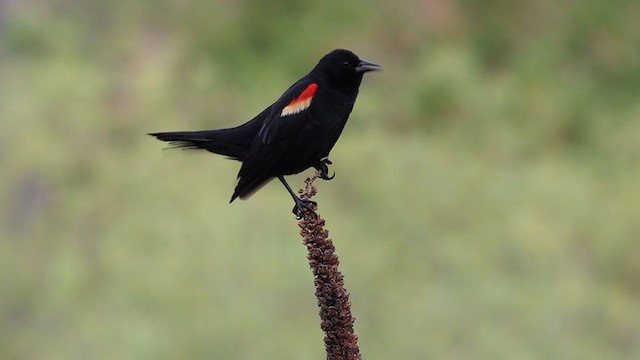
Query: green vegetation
[486, 203]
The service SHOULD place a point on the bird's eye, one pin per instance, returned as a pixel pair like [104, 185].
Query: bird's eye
[345, 64]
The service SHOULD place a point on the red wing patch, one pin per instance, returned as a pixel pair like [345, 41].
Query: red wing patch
[300, 103]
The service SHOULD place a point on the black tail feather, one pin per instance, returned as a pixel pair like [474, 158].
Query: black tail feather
[215, 141]
[232, 142]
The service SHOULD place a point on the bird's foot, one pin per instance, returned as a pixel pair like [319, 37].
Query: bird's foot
[303, 206]
[323, 168]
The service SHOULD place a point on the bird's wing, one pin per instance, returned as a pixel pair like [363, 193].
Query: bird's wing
[289, 113]
[287, 117]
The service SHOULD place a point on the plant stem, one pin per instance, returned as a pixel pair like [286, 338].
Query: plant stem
[341, 343]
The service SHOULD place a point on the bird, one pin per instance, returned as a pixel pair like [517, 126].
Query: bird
[293, 134]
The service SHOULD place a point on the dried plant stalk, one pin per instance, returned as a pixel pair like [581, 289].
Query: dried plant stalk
[341, 343]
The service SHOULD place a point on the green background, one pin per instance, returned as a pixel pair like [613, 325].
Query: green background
[486, 203]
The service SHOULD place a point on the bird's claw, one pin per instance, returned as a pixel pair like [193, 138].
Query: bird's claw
[324, 171]
[324, 175]
[323, 168]
[303, 206]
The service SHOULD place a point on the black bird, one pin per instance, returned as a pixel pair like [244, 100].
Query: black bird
[296, 132]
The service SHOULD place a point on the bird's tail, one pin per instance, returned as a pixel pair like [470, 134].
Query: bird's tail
[221, 141]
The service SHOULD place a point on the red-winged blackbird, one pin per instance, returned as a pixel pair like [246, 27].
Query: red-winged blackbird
[294, 133]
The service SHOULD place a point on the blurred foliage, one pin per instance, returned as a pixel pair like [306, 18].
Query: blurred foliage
[486, 202]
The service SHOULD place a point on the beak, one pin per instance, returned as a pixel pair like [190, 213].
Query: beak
[366, 66]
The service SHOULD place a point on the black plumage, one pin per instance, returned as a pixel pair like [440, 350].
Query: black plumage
[296, 132]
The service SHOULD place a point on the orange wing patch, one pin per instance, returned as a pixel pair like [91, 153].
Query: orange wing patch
[300, 103]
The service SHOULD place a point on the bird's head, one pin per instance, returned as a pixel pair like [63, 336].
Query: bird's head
[344, 67]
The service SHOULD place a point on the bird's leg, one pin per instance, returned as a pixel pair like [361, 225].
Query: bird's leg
[301, 205]
[323, 168]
